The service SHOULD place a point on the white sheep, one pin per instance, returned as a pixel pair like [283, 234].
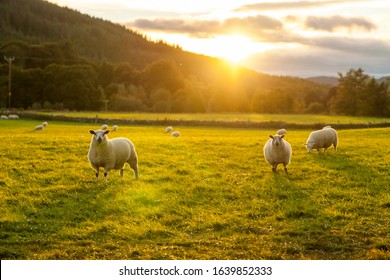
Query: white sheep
[111, 153]
[44, 124]
[322, 139]
[169, 129]
[175, 134]
[277, 151]
[3, 117]
[104, 127]
[39, 127]
[281, 131]
[13, 117]
[114, 128]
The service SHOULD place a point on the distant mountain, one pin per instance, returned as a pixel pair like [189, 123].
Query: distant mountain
[325, 80]
[384, 79]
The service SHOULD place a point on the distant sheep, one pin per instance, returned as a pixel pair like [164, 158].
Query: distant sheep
[175, 134]
[44, 124]
[111, 153]
[114, 128]
[104, 127]
[3, 117]
[169, 129]
[322, 139]
[277, 151]
[13, 117]
[39, 127]
[281, 132]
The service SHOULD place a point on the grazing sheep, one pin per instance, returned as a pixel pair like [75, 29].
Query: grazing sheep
[3, 117]
[111, 153]
[276, 151]
[281, 132]
[39, 127]
[44, 124]
[114, 128]
[13, 117]
[175, 134]
[322, 139]
[169, 129]
[104, 127]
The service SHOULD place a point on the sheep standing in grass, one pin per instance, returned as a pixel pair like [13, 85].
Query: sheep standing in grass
[114, 128]
[111, 153]
[277, 151]
[322, 139]
[175, 134]
[44, 124]
[169, 129]
[39, 127]
[104, 127]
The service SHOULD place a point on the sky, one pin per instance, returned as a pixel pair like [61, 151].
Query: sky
[302, 38]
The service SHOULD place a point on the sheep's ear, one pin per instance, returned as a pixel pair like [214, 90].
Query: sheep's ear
[282, 136]
[270, 136]
[107, 131]
[92, 132]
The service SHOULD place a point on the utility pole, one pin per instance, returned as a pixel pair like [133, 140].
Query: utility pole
[106, 104]
[9, 60]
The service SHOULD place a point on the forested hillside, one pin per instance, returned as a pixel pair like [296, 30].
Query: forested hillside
[68, 60]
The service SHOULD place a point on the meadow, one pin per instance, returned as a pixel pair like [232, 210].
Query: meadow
[208, 194]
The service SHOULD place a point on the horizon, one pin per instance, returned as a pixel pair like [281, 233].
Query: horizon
[284, 38]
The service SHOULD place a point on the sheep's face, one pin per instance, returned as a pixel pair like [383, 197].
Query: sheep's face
[310, 146]
[277, 140]
[99, 136]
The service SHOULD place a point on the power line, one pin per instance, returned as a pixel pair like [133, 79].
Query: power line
[9, 60]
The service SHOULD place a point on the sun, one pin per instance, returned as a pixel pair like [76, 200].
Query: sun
[233, 48]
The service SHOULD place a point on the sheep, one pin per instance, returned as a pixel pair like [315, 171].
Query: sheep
[281, 132]
[13, 117]
[44, 124]
[111, 153]
[39, 127]
[114, 128]
[322, 139]
[276, 151]
[175, 134]
[104, 127]
[3, 117]
[169, 129]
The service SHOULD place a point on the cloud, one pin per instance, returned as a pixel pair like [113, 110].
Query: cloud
[325, 56]
[257, 27]
[336, 22]
[266, 6]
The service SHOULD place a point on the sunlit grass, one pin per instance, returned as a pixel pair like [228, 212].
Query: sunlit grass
[208, 194]
[230, 117]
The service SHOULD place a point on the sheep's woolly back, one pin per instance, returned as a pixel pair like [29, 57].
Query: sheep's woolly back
[322, 139]
[281, 132]
[175, 134]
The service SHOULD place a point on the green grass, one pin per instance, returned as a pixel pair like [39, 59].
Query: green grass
[208, 194]
[287, 118]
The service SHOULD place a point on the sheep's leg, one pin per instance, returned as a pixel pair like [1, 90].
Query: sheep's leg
[274, 167]
[97, 174]
[285, 168]
[105, 175]
[121, 172]
[133, 162]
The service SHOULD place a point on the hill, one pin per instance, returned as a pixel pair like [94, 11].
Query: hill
[68, 60]
[327, 80]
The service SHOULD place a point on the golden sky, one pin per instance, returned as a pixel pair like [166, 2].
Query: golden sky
[296, 38]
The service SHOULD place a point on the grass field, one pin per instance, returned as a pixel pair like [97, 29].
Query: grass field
[208, 194]
[230, 117]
